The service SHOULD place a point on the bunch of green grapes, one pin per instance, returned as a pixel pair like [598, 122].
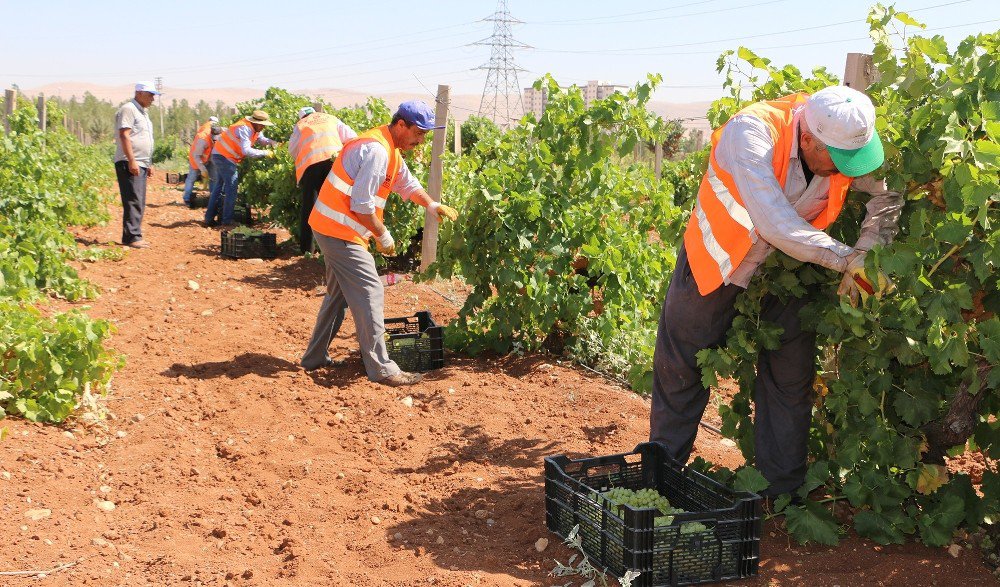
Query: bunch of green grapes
[618, 497]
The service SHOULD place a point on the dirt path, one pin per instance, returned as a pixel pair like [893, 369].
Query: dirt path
[229, 465]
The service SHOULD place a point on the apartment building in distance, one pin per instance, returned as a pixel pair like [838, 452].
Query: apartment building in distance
[534, 100]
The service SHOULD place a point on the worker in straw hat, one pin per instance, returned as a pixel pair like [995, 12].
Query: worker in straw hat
[234, 145]
[778, 176]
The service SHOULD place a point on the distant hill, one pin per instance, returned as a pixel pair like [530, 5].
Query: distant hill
[462, 104]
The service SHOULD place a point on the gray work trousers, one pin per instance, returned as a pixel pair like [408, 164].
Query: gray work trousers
[783, 395]
[351, 282]
[132, 189]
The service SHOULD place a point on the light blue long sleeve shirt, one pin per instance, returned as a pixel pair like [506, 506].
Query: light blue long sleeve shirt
[243, 134]
[368, 164]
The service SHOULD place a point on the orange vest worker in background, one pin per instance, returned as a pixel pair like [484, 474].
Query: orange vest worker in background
[316, 139]
[199, 155]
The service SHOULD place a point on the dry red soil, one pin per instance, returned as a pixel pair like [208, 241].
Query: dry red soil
[227, 464]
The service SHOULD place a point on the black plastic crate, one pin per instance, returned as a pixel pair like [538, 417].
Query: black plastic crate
[415, 342]
[242, 213]
[729, 547]
[249, 246]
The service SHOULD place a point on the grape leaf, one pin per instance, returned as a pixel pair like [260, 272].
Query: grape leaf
[930, 478]
[749, 479]
[812, 523]
[878, 527]
[940, 519]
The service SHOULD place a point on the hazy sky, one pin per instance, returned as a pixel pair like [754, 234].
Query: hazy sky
[408, 46]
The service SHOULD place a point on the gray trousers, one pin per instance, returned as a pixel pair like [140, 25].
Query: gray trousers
[132, 189]
[783, 396]
[351, 282]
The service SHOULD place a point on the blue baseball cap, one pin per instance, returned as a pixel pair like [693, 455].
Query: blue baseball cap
[419, 113]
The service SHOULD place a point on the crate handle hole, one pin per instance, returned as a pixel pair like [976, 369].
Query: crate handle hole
[602, 470]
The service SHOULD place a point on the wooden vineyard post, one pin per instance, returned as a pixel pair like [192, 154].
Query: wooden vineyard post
[458, 137]
[658, 162]
[42, 113]
[860, 71]
[9, 101]
[318, 106]
[428, 251]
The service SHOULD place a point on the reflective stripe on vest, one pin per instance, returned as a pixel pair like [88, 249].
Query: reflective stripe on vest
[229, 146]
[720, 232]
[319, 141]
[204, 134]
[332, 215]
[346, 189]
[342, 218]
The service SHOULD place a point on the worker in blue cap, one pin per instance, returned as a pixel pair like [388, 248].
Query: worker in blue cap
[347, 215]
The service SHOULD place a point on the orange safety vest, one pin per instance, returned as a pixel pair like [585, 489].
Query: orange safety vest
[228, 145]
[720, 232]
[332, 215]
[318, 141]
[204, 134]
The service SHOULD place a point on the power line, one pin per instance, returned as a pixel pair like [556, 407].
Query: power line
[604, 19]
[292, 56]
[340, 68]
[814, 43]
[630, 51]
[672, 16]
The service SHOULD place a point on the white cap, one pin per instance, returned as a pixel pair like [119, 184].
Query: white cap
[213, 119]
[841, 117]
[844, 120]
[146, 87]
[306, 111]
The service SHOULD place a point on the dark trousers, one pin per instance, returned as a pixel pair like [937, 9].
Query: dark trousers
[133, 192]
[311, 182]
[783, 396]
[222, 196]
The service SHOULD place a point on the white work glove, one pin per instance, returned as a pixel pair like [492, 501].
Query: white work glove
[385, 244]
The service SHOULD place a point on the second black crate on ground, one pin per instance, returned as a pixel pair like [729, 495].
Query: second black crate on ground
[176, 177]
[238, 245]
[727, 548]
[242, 213]
[415, 342]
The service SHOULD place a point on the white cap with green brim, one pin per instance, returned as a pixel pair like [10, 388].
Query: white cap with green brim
[844, 120]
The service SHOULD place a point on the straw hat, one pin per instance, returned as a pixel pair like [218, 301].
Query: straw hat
[260, 117]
